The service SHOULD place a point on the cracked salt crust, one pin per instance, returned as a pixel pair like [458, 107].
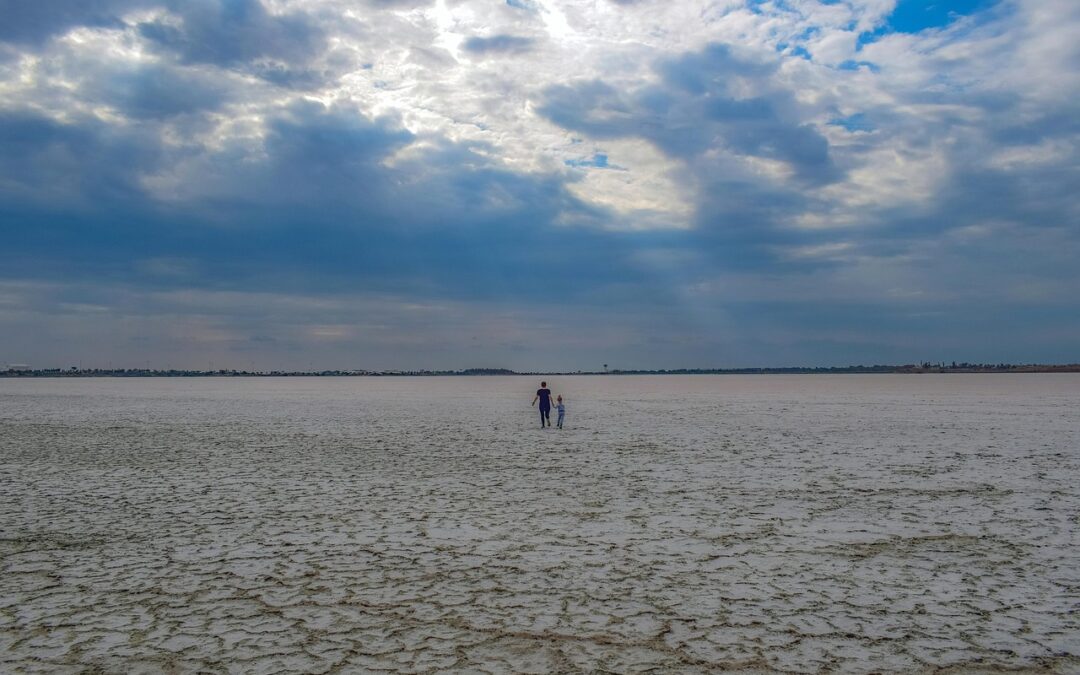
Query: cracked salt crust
[407, 525]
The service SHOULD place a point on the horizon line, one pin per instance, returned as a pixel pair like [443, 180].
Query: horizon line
[22, 370]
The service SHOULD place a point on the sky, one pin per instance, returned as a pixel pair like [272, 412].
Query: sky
[538, 184]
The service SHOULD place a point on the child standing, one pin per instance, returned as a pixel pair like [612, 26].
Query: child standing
[562, 410]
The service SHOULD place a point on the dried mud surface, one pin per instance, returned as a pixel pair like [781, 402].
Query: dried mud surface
[803, 524]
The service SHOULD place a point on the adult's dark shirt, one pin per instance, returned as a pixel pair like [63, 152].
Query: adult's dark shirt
[545, 397]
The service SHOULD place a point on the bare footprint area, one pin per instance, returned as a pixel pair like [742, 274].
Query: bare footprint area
[678, 524]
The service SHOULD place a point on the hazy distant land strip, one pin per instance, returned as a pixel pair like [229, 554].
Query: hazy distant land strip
[17, 371]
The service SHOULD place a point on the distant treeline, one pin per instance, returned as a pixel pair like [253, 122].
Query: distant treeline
[925, 367]
[172, 372]
[888, 369]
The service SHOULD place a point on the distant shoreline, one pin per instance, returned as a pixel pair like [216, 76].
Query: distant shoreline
[909, 369]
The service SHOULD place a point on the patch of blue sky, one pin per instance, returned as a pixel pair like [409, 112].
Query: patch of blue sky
[799, 50]
[763, 6]
[753, 5]
[527, 5]
[851, 64]
[802, 53]
[915, 16]
[856, 122]
[597, 161]
[869, 37]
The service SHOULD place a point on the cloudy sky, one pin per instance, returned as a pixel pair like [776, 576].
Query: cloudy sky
[538, 184]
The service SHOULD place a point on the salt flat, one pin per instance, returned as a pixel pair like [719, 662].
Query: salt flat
[679, 524]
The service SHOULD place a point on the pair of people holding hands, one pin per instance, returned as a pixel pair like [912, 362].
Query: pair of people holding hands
[543, 395]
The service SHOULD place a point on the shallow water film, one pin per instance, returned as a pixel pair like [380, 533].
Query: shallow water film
[677, 524]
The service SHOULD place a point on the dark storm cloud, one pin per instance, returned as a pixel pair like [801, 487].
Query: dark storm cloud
[58, 165]
[29, 22]
[241, 34]
[314, 152]
[447, 221]
[158, 92]
[694, 110]
[314, 208]
[1049, 124]
[499, 44]
[741, 220]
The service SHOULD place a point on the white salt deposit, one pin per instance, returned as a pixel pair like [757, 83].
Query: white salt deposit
[690, 524]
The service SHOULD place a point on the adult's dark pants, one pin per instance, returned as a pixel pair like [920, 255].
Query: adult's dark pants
[545, 414]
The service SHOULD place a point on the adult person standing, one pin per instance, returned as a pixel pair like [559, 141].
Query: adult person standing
[543, 394]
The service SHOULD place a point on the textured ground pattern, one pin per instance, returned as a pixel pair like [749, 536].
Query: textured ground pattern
[851, 524]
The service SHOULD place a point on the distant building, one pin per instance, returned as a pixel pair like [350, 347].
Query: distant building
[18, 367]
